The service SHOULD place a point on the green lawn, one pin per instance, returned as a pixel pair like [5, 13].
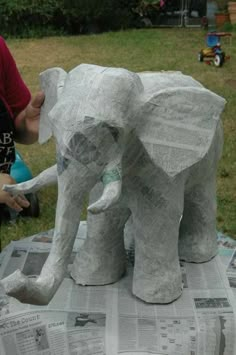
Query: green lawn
[137, 50]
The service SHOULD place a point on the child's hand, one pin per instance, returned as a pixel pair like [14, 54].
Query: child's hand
[27, 122]
[15, 202]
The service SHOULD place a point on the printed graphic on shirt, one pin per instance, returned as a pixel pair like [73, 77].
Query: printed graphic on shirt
[7, 147]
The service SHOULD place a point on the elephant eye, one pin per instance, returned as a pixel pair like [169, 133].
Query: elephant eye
[114, 132]
[88, 120]
[62, 163]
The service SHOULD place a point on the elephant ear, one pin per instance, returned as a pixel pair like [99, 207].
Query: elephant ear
[177, 126]
[51, 82]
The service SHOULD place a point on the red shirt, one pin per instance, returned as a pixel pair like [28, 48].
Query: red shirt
[13, 91]
[14, 97]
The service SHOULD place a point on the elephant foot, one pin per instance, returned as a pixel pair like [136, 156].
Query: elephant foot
[163, 288]
[98, 269]
[32, 291]
[198, 248]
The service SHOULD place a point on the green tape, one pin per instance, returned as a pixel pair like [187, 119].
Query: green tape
[110, 176]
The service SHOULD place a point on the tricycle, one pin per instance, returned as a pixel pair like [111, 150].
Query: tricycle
[214, 52]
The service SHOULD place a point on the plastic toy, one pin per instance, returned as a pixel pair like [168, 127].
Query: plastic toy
[214, 53]
[20, 172]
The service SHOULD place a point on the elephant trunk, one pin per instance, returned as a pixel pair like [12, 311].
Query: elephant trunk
[69, 206]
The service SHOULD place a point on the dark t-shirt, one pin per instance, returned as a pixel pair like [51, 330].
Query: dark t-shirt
[7, 148]
[14, 97]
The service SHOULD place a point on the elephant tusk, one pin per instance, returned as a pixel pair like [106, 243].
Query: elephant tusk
[111, 193]
[47, 177]
[110, 196]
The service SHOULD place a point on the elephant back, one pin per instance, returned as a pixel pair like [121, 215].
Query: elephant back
[155, 81]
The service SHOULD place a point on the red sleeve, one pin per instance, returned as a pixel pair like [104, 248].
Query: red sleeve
[13, 90]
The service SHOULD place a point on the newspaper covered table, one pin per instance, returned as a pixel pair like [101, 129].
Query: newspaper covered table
[108, 320]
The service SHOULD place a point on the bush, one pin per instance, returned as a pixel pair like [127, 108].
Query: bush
[26, 18]
[83, 16]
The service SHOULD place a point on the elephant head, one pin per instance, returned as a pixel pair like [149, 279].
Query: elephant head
[101, 102]
[94, 114]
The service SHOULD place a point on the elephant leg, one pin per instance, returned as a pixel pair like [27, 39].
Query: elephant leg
[157, 276]
[198, 240]
[71, 193]
[102, 259]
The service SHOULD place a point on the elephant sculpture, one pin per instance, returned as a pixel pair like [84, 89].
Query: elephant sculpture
[141, 144]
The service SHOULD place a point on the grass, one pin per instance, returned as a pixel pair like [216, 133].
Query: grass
[137, 50]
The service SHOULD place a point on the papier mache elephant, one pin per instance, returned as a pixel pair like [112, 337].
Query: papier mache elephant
[146, 143]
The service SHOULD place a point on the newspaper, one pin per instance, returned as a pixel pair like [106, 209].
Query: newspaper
[109, 320]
